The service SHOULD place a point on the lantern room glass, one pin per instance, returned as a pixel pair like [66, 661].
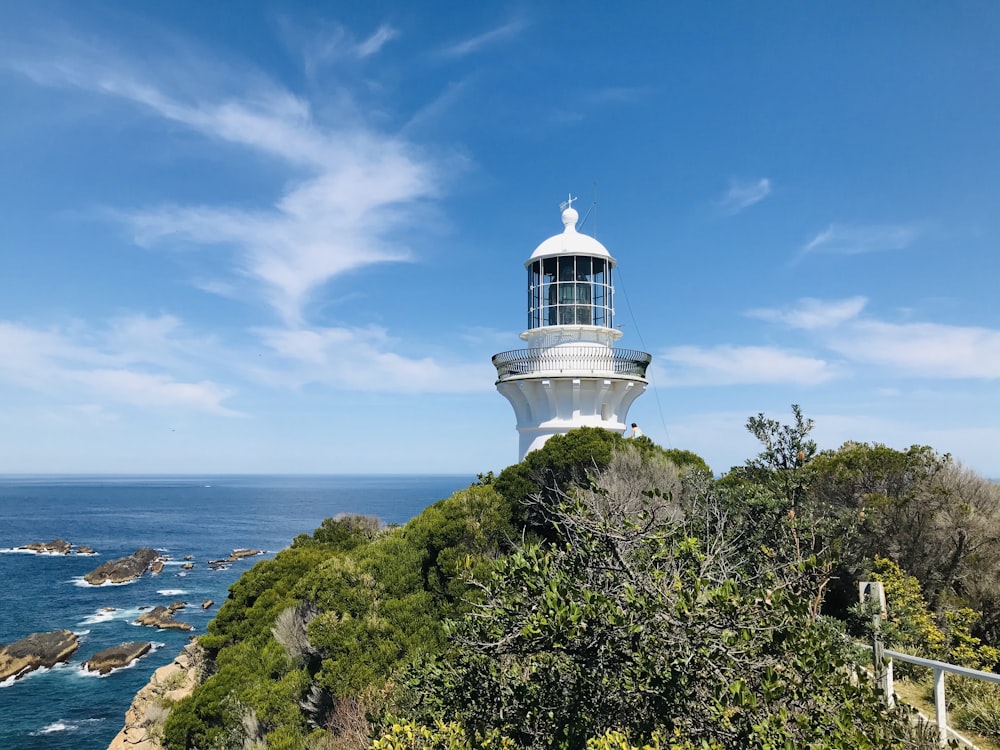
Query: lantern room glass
[570, 290]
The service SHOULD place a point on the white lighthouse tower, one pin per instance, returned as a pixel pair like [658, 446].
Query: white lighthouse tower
[570, 375]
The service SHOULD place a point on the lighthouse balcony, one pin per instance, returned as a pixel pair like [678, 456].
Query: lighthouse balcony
[571, 360]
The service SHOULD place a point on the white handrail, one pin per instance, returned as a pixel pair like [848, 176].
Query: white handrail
[940, 668]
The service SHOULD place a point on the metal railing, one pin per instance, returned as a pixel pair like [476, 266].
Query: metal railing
[882, 657]
[571, 360]
[940, 668]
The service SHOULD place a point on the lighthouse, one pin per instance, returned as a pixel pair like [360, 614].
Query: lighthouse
[570, 375]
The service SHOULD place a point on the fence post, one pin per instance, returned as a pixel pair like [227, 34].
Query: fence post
[940, 707]
[874, 590]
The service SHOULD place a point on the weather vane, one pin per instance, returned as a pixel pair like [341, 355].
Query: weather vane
[568, 203]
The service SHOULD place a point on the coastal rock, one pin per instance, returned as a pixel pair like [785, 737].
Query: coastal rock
[162, 618]
[187, 566]
[239, 554]
[37, 650]
[124, 569]
[55, 547]
[117, 656]
[144, 718]
[176, 606]
[207, 603]
[85, 549]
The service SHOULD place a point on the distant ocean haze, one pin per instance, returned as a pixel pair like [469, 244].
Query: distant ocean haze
[204, 517]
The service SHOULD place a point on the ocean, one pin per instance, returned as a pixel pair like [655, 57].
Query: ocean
[203, 517]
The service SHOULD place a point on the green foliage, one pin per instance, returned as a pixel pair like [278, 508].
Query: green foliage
[564, 460]
[913, 627]
[610, 594]
[623, 625]
[376, 600]
[975, 705]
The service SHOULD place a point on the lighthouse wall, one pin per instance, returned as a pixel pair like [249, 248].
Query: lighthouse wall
[546, 406]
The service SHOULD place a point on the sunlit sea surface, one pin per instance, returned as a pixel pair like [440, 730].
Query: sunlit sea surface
[205, 517]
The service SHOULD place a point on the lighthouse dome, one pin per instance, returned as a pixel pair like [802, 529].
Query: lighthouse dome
[570, 241]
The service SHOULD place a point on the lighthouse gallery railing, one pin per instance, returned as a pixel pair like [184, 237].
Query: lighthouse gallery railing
[571, 360]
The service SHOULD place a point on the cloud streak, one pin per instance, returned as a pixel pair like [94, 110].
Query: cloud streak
[742, 195]
[841, 239]
[360, 360]
[915, 350]
[104, 368]
[810, 314]
[743, 365]
[343, 209]
[479, 42]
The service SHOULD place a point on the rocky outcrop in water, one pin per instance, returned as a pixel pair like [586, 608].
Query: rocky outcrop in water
[117, 657]
[144, 718]
[239, 554]
[163, 618]
[35, 651]
[55, 547]
[125, 569]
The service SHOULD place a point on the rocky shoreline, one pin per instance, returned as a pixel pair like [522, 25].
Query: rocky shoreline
[144, 718]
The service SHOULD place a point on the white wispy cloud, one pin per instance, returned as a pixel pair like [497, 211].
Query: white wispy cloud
[911, 349]
[111, 366]
[342, 209]
[742, 365]
[742, 195]
[922, 350]
[809, 313]
[842, 239]
[480, 41]
[360, 359]
[374, 44]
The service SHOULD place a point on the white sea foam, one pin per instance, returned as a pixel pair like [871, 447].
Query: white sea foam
[171, 592]
[78, 581]
[55, 726]
[19, 551]
[81, 633]
[23, 676]
[63, 725]
[107, 614]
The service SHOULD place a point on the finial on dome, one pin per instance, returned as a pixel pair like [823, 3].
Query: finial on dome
[569, 214]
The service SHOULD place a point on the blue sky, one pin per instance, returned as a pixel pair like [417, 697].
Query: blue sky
[288, 237]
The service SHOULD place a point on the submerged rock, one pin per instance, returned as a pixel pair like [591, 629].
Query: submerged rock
[117, 656]
[163, 618]
[124, 569]
[35, 651]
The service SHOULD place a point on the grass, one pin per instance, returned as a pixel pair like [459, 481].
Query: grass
[917, 694]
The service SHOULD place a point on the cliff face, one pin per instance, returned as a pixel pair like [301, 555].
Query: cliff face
[144, 718]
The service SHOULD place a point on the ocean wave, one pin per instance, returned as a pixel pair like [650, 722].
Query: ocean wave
[63, 725]
[24, 676]
[19, 551]
[171, 592]
[78, 581]
[81, 633]
[107, 614]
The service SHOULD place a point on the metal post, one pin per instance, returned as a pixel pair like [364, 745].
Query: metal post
[940, 707]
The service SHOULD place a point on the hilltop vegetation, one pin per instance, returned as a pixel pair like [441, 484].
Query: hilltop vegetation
[610, 593]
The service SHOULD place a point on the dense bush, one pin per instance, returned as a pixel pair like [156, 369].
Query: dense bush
[608, 593]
